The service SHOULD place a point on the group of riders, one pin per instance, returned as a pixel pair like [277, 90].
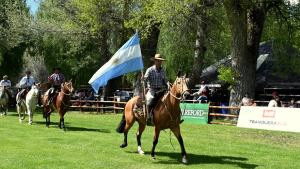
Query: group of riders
[27, 81]
[155, 79]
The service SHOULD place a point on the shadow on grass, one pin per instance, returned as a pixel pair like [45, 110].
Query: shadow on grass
[193, 159]
[43, 123]
[71, 128]
[206, 159]
[87, 129]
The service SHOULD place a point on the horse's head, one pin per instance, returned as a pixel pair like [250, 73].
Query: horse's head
[67, 87]
[180, 87]
[34, 89]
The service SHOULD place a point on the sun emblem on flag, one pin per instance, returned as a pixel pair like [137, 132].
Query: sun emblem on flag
[115, 61]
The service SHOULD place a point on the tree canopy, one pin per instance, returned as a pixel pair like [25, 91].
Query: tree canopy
[80, 36]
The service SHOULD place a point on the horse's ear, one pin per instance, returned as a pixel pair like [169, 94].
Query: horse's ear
[62, 85]
[186, 74]
[70, 80]
[179, 73]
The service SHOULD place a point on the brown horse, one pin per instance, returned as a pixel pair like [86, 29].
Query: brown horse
[61, 103]
[166, 115]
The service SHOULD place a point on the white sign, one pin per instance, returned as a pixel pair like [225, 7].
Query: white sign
[270, 118]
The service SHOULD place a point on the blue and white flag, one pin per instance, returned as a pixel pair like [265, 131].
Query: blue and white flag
[127, 59]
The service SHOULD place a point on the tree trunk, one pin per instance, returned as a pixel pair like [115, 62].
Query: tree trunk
[245, 46]
[256, 20]
[241, 58]
[199, 47]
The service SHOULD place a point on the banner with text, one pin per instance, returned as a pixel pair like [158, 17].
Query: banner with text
[194, 112]
[270, 118]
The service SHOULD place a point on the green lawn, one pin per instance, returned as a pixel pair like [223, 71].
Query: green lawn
[90, 141]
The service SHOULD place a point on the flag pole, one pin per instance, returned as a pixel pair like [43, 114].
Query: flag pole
[143, 90]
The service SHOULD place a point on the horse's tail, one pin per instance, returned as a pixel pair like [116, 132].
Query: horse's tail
[121, 126]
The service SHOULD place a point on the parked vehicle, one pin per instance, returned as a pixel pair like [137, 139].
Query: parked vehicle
[122, 95]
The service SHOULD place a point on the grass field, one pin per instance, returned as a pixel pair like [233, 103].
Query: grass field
[90, 141]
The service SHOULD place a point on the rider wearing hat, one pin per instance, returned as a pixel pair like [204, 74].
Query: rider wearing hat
[25, 83]
[156, 84]
[56, 79]
[6, 84]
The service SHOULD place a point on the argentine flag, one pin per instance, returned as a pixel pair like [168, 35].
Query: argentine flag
[127, 59]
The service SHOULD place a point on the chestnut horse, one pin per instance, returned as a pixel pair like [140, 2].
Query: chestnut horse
[61, 103]
[166, 115]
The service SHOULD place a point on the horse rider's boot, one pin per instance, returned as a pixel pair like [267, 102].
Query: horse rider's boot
[50, 96]
[50, 100]
[149, 115]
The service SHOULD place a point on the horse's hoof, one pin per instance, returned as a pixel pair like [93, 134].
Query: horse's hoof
[123, 145]
[184, 160]
[140, 150]
[153, 158]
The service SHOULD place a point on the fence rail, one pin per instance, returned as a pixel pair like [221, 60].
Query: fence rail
[117, 106]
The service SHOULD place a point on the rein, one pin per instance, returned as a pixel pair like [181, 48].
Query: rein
[68, 94]
[173, 95]
[177, 98]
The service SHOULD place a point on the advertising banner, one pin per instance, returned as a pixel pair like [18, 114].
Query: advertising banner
[270, 118]
[195, 113]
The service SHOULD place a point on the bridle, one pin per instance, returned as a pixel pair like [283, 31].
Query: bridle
[173, 95]
[66, 86]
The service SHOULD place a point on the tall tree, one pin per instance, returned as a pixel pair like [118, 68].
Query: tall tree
[246, 19]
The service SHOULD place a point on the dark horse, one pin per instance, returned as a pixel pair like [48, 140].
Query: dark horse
[166, 115]
[61, 103]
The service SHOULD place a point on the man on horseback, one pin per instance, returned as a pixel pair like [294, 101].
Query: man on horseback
[156, 85]
[56, 79]
[25, 84]
[6, 84]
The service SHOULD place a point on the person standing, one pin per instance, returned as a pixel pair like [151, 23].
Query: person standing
[275, 102]
[156, 84]
[56, 79]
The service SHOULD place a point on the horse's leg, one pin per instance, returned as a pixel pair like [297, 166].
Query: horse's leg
[155, 141]
[176, 131]
[30, 115]
[62, 120]
[138, 137]
[48, 120]
[127, 128]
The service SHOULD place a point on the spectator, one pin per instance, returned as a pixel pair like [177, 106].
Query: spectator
[202, 94]
[246, 100]
[252, 103]
[292, 103]
[89, 96]
[275, 102]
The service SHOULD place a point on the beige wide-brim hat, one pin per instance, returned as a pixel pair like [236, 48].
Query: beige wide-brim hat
[5, 76]
[158, 57]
